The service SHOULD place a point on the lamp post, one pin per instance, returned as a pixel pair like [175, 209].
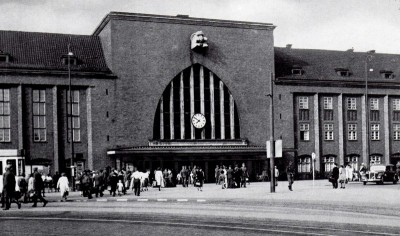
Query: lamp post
[70, 117]
[367, 59]
[271, 133]
[313, 168]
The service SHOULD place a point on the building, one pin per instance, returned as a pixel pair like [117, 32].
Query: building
[160, 91]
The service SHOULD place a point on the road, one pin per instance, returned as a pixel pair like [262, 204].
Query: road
[222, 213]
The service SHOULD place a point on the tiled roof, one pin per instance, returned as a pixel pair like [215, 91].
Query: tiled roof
[43, 51]
[321, 64]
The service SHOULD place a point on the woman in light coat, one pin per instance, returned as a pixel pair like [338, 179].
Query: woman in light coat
[159, 178]
[342, 176]
[63, 185]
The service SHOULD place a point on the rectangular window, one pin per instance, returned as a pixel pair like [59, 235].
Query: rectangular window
[396, 104]
[5, 126]
[328, 131]
[396, 131]
[304, 132]
[75, 116]
[352, 115]
[353, 162]
[328, 114]
[375, 160]
[329, 162]
[303, 102]
[374, 104]
[374, 131]
[328, 104]
[351, 104]
[374, 115]
[352, 131]
[304, 114]
[39, 115]
[304, 165]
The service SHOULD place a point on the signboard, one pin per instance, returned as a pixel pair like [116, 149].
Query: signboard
[278, 149]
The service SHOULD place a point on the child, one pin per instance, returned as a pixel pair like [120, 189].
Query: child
[120, 186]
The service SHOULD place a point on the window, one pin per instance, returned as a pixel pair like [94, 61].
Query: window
[351, 104]
[387, 74]
[374, 131]
[76, 123]
[352, 131]
[329, 162]
[374, 104]
[328, 104]
[351, 115]
[353, 162]
[303, 102]
[39, 115]
[328, 131]
[396, 131]
[304, 165]
[4, 58]
[375, 160]
[5, 127]
[304, 132]
[396, 104]
[342, 72]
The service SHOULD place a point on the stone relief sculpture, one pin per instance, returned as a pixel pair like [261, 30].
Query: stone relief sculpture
[198, 41]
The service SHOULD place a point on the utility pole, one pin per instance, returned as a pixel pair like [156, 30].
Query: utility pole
[367, 107]
[271, 133]
[70, 117]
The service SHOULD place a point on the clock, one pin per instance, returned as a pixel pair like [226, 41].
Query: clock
[198, 120]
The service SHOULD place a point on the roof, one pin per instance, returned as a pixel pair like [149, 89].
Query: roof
[181, 19]
[324, 64]
[43, 51]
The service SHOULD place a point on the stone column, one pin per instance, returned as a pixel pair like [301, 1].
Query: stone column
[55, 129]
[202, 108]
[192, 130]
[386, 130]
[212, 106]
[232, 115]
[182, 106]
[222, 109]
[89, 127]
[317, 150]
[20, 119]
[365, 158]
[162, 118]
[171, 111]
[340, 128]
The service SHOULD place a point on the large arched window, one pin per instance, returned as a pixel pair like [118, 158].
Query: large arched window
[196, 90]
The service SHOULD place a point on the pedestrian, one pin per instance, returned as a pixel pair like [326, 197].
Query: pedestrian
[38, 188]
[342, 176]
[113, 181]
[199, 179]
[31, 191]
[276, 176]
[335, 176]
[236, 176]
[86, 184]
[349, 172]
[229, 176]
[9, 185]
[120, 187]
[63, 186]
[290, 175]
[56, 177]
[363, 172]
[185, 175]
[136, 177]
[217, 172]
[159, 178]
[222, 176]
[98, 183]
[245, 175]
[23, 186]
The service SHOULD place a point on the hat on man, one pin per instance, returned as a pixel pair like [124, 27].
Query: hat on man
[8, 167]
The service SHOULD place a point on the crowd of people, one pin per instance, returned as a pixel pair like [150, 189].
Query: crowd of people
[229, 177]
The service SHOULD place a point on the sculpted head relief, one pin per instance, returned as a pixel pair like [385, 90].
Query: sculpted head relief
[198, 40]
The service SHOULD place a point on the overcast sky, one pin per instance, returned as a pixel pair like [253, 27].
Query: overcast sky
[322, 24]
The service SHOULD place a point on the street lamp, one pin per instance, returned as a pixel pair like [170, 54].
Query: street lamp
[313, 168]
[70, 117]
[367, 59]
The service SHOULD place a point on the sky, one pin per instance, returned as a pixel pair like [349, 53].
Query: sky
[313, 24]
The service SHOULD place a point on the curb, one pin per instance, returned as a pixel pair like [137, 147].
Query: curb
[137, 200]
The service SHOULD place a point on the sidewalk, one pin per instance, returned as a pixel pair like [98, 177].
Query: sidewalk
[355, 193]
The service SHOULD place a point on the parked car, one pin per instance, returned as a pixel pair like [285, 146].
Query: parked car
[380, 174]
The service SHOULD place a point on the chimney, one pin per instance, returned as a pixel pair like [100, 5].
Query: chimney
[288, 46]
[350, 50]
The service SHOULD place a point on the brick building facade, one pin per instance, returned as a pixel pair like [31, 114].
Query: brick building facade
[137, 84]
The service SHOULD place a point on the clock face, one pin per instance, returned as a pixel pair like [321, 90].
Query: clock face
[199, 120]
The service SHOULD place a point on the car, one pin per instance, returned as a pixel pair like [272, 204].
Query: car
[380, 174]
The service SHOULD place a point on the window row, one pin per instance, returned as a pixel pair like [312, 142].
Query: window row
[38, 115]
[328, 129]
[351, 103]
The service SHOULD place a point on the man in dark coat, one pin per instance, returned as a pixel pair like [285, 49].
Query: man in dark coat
[290, 175]
[335, 176]
[55, 181]
[98, 184]
[244, 175]
[38, 187]
[229, 176]
[9, 188]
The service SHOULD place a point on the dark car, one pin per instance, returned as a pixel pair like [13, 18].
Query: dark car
[380, 174]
